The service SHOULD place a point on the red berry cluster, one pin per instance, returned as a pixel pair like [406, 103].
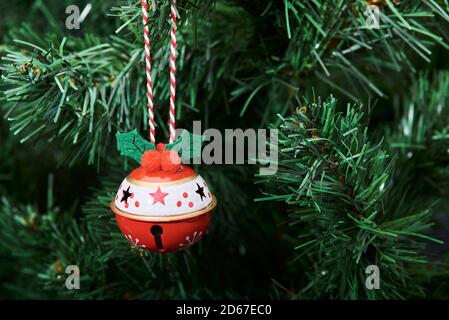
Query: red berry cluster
[161, 160]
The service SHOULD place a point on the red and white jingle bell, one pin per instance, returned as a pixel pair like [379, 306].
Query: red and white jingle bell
[163, 210]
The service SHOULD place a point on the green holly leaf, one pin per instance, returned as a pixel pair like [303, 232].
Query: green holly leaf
[131, 144]
[188, 145]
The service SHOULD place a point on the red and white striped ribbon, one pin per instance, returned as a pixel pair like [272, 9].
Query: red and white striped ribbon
[146, 38]
[172, 70]
[172, 64]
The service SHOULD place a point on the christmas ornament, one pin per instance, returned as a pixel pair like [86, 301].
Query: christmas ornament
[163, 205]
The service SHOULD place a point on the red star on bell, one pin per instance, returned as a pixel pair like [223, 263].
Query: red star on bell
[158, 196]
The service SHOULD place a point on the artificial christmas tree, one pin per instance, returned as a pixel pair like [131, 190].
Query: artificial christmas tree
[362, 179]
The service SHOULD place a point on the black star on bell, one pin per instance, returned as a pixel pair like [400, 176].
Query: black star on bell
[126, 195]
[200, 191]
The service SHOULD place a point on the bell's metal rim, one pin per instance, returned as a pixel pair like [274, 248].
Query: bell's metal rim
[142, 183]
[168, 218]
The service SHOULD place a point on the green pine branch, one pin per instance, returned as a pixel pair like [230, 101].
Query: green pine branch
[336, 183]
[421, 136]
[81, 91]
